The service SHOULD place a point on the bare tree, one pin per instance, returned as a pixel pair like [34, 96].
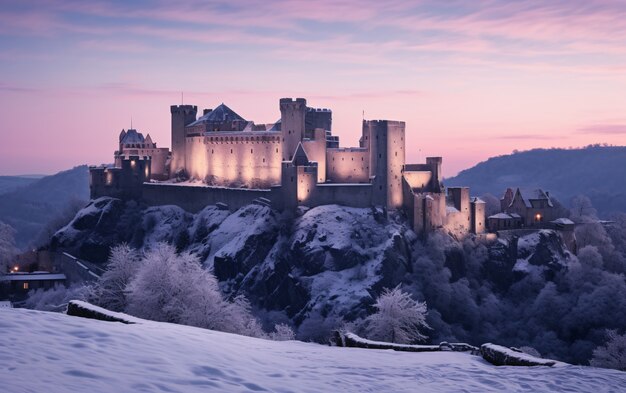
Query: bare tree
[582, 209]
[397, 319]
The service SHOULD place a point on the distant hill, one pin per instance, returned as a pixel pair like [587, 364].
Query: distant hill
[30, 207]
[597, 172]
[10, 183]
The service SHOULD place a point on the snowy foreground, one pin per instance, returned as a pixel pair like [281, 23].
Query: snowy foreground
[49, 352]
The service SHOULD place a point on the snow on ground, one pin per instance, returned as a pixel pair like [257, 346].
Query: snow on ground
[49, 352]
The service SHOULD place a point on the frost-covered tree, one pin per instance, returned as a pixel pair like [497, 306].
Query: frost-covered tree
[282, 332]
[397, 319]
[110, 290]
[582, 209]
[56, 298]
[173, 287]
[7, 246]
[612, 354]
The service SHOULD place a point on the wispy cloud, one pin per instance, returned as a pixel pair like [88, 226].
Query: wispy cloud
[529, 137]
[603, 129]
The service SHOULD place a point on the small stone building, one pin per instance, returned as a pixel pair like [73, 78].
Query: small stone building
[534, 207]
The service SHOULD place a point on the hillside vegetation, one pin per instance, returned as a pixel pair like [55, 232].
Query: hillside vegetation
[31, 208]
[597, 172]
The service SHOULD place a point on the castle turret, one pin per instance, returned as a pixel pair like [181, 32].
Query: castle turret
[292, 114]
[182, 115]
[386, 142]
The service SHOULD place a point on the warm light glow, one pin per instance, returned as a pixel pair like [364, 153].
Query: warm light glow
[538, 217]
[25, 285]
[15, 268]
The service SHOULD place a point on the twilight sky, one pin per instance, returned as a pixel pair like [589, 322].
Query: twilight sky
[472, 79]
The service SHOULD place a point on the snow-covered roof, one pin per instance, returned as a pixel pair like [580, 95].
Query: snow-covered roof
[563, 221]
[221, 113]
[33, 277]
[504, 216]
[534, 194]
[477, 200]
[451, 209]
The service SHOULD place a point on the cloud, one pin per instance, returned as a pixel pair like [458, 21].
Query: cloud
[18, 89]
[603, 129]
[528, 137]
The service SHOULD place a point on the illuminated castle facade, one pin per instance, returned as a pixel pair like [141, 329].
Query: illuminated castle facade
[297, 161]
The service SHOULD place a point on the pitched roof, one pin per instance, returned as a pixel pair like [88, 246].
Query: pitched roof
[536, 194]
[300, 157]
[132, 136]
[220, 114]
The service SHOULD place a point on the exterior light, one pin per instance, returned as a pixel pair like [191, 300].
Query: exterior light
[538, 217]
[16, 268]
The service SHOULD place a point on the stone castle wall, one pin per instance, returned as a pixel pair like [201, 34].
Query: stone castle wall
[195, 198]
[250, 159]
[348, 165]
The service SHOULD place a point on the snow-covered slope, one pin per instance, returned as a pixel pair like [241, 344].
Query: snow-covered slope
[49, 352]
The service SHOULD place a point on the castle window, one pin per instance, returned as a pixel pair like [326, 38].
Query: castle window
[276, 150]
[231, 151]
[292, 179]
[396, 154]
[251, 151]
[264, 160]
[212, 151]
[380, 156]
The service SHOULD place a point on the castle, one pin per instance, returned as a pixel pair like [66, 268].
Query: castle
[220, 157]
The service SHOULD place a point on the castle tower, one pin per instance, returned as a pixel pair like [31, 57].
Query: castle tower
[182, 115]
[292, 115]
[386, 142]
[477, 210]
[435, 166]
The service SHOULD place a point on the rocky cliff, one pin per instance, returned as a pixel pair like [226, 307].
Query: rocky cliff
[316, 269]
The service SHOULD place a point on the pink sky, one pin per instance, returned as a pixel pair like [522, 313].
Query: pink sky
[471, 79]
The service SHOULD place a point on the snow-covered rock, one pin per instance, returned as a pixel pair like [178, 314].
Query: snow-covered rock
[503, 356]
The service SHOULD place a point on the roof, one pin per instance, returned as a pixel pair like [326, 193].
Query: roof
[535, 194]
[220, 114]
[563, 221]
[477, 200]
[504, 216]
[33, 277]
[300, 157]
[132, 136]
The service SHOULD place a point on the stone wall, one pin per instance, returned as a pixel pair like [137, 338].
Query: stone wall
[347, 165]
[195, 198]
[233, 159]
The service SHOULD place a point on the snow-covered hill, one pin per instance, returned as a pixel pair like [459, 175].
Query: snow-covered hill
[49, 352]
